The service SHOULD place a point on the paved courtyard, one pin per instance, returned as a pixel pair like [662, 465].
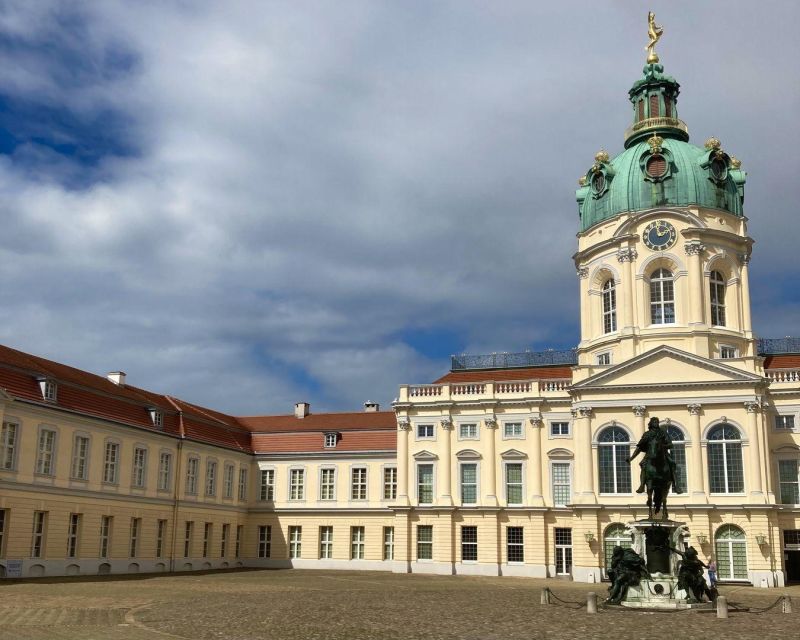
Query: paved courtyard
[352, 605]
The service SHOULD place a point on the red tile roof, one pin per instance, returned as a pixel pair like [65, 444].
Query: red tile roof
[495, 375]
[321, 422]
[310, 442]
[782, 361]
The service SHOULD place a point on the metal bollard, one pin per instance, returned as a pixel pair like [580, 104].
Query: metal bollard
[591, 602]
[545, 599]
[722, 607]
[787, 603]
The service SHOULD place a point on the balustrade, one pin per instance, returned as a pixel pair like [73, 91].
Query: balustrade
[783, 375]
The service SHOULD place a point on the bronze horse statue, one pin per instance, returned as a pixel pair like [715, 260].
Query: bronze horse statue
[658, 468]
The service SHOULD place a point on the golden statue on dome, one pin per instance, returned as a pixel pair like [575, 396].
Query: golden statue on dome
[654, 31]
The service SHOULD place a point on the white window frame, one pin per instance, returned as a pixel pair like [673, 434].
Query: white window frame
[603, 358]
[192, 471]
[3, 527]
[779, 484]
[552, 423]
[73, 535]
[39, 535]
[461, 465]
[521, 463]
[325, 487]
[188, 535]
[49, 389]
[553, 463]
[728, 352]
[330, 440]
[266, 484]
[390, 483]
[516, 545]
[472, 545]
[164, 470]
[9, 445]
[139, 467]
[223, 539]
[79, 463]
[242, 491]
[264, 541]
[46, 443]
[227, 481]
[358, 538]
[516, 434]
[359, 483]
[608, 306]
[295, 538]
[326, 542]
[111, 463]
[238, 548]
[725, 452]
[477, 430]
[428, 427]
[388, 543]
[428, 543]
[433, 481]
[211, 478]
[717, 305]
[297, 484]
[208, 537]
[136, 529]
[784, 429]
[161, 532]
[662, 302]
[106, 528]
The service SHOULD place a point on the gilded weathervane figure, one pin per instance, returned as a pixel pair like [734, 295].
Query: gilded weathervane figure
[654, 31]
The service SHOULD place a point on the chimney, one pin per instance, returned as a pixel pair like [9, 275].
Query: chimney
[301, 409]
[117, 377]
[371, 407]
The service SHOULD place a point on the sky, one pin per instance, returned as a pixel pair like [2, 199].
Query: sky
[252, 204]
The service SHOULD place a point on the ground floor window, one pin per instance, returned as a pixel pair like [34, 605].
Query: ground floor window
[295, 541]
[356, 543]
[2, 529]
[615, 536]
[388, 543]
[731, 551]
[424, 542]
[563, 539]
[326, 542]
[264, 541]
[515, 547]
[239, 530]
[469, 544]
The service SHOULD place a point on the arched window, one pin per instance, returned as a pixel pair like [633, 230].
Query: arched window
[717, 288]
[725, 470]
[609, 306]
[662, 297]
[731, 550]
[615, 536]
[613, 446]
[679, 456]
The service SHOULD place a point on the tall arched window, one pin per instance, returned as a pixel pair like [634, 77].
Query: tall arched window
[717, 289]
[679, 456]
[662, 297]
[725, 469]
[609, 306]
[613, 447]
[731, 549]
[615, 535]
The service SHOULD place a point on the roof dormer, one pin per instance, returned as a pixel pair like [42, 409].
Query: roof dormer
[49, 388]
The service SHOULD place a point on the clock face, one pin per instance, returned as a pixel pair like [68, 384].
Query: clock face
[659, 235]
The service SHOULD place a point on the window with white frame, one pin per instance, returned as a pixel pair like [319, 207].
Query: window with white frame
[512, 429]
[388, 543]
[726, 352]
[295, 541]
[356, 543]
[45, 452]
[8, 445]
[49, 389]
[3, 520]
[358, 483]
[424, 431]
[330, 440]
[239, 534]
[192, 468]
[469, 483]
[72, 534]
[609, 294]
[136, 525]
[789, 478]
[730, 547]
[613, 448]
[390, 483]
[469, 544]
[679, 457]
[164, 470]
[562, 486]
[157, 417]
[139, 466]
[615, 535]
[424, 542]
[242, 484]
[111, 463]
[604, 358]
[468, 431]
[37, 543]
[79, 469]
[211, 478]
[559, 429]
[563, 548]
[207, 530]
[515, 544]
[662, 297]
[717, 291]
[297, 484]
[223, 540]
[327, 484]
[267, 487]
[425, 483]
[785, 421]
[105, 535]
[725, 465]
[326, 542]
[161, 534]
[188, 533]
[514, 483]
[227, 481]
[264, 541]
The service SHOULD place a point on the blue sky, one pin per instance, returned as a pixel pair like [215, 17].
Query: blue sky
[248, 204]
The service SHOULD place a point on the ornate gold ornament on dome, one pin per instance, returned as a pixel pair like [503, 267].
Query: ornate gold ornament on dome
[655, 143]
[582, 181]
[713, 144]
[655, 32]
[735, 162]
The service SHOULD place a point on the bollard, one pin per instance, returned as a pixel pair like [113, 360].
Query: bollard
[722, 607]
[787, 603]
[545, 596]
[591, 602]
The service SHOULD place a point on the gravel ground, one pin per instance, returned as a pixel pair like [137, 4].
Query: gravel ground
[333, 605]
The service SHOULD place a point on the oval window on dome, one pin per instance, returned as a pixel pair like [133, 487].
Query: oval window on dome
[656, 166]
[719, 169]
[598, 182]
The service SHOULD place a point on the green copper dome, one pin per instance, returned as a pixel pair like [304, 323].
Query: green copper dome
[659, 167]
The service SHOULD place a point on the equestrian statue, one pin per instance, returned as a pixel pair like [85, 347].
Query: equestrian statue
[657, 468]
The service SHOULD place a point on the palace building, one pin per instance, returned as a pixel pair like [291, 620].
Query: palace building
[509, 464]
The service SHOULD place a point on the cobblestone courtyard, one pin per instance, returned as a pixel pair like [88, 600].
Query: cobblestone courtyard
[352, 605]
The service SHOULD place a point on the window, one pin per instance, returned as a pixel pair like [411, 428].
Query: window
[227, 482]
[157, 417]
[424, 542]
[223, 541]
[239, 532]
[295, 541]
[679, 456]
[242, 483]
[469, 544]
[514, 483]
[469, 483]
[468, 431]
[45, 452]
[264, 541]
[139, 464]
[515, 547]
[726, 352]
[164, 470]
[562, 489]
[612, 450]
[390, 483]
[424, 431]
[330, 440]
[731, 552]
[609, 294]
[105, 535]
[725, 469]
[616, 535]
[49, 389]
[187, 538]
[326, 542]
[604, 358]
[3, 520]
[784, 422]
[356, 543]
[662, 297]
[512, 430]
[267, 491]
[425, 483]
[654, 104]
[211, 478]
[207, 530]
[72, 534]
[327, 484]
[37, 544]
[297, 488]
[388, 543]
[358, 483]
[8, 445]
[111, 463]
[717, 290]
[161, 532]
[136, 525]
[563, 540]
[559, 429]
[192, 466]
[789, 478]
[80, 458]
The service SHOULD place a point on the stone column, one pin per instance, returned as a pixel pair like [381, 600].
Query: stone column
[639, 411]
[696, 470]
[626, 257]
[403, 429]
[754, 453]
[490, 473]
[583, 462]
[747, 322]
[537, 462]
[446, 464]
[694, 249]
[583, 274]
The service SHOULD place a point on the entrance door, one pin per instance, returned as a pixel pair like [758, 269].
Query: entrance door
[563, 552]
[791, 554]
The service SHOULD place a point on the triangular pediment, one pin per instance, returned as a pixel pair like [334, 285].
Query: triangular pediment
[667, 366]
[425, 455]
[513, 454]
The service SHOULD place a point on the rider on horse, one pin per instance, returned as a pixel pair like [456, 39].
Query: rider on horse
[655, 435]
